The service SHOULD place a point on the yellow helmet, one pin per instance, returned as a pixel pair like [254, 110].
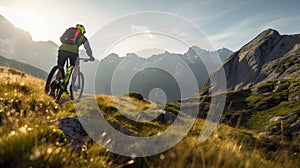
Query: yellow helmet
[81, 27]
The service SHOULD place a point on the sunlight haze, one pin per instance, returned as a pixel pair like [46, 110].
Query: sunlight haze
[227, 24]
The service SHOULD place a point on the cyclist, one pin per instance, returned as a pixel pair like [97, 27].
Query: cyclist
[70, 51]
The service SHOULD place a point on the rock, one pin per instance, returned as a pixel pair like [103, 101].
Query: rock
[278, 87]
[271, 104]
[297, 97]
[268, 127]
[168, 116]
[277, 118]
[271, 129]
[73, 131]
[77, 136]
[294, 127]
[262, 107]
[266, 133]
[287, 117]
[294, 98]
[263, 89]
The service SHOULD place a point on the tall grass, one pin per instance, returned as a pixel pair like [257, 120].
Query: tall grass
[27, 139]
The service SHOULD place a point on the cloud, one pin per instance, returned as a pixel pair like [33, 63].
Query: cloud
[203, 12]
[141, 29]
[223, 39]
[239, 33]
[221, 36]
[287, 23]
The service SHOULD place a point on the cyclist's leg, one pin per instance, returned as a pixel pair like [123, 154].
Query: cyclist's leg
[61, 59]
[74, 61]
[54, 85]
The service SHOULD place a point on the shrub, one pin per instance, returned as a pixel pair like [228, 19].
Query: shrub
[135, 95]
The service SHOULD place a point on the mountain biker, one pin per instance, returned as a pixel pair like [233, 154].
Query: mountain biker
[70, 51]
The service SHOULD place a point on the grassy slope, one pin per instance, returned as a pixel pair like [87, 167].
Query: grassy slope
[27, 138]
[256, 109]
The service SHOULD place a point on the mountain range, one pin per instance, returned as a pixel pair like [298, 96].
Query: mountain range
[158, 71]
[17, 44]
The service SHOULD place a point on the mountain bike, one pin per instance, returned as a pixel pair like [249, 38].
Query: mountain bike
[56, 88]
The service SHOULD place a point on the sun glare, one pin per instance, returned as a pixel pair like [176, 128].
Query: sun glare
[33, 20]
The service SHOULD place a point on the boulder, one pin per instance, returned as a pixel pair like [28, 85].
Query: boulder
[77, 136]
[168, 116]
[73, 131]
[263, 89]
[266, 133]
[287, 117]
[294, 127]
[294, 98]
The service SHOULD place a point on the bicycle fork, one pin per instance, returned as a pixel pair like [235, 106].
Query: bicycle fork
[64, 83]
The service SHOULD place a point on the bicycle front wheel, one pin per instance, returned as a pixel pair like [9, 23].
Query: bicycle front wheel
[76, 88]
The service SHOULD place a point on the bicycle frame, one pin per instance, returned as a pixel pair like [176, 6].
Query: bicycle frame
[77, 81]
[69, 71]
[64, 82]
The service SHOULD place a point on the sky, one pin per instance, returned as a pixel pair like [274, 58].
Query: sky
[229, 24]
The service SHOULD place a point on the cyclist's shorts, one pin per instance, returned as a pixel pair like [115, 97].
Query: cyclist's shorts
[64, 55]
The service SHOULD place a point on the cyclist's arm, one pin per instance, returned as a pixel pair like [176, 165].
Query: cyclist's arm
[87, 47]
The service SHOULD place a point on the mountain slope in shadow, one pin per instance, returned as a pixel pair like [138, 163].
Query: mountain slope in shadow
[268, 56]
[29, 69]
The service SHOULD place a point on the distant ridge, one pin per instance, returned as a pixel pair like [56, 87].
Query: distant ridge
[31, 70]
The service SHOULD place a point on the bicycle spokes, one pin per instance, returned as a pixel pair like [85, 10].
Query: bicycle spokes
[77, 87]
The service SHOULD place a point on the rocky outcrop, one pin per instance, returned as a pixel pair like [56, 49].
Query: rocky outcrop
[294, 127]
[269, 56]
[269, 67]
[73, 131]
[285, 125]
[294, 90]
[281, 118]
[77, 136]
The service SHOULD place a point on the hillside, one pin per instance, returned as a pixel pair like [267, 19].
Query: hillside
[17, 44]
[263, 87]
[23, 67]
[34, 131]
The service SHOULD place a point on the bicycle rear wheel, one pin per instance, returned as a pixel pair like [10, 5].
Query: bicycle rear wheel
[52, 86]
[76, 88]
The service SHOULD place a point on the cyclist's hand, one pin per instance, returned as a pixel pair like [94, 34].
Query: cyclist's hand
[92, 58]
